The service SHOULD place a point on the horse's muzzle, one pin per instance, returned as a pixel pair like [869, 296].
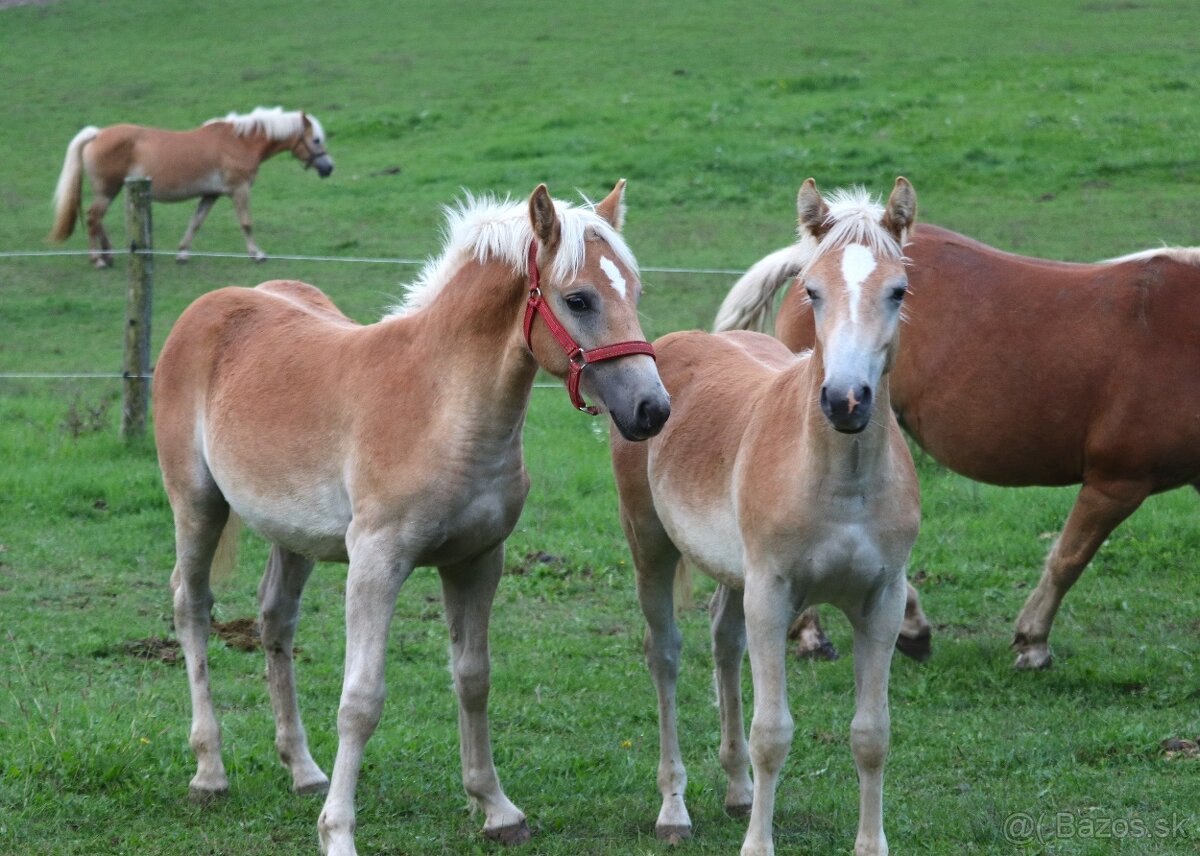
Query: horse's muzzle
[324, 167]
[848, 411]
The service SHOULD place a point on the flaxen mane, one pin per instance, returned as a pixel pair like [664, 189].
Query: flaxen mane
[485, 227]
[275, 122]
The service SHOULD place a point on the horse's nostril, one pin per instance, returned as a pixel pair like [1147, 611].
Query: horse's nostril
[652, 413]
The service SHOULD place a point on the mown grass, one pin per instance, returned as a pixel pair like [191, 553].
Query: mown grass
[1066, 130]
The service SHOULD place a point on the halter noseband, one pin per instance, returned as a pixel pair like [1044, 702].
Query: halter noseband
[576, 356]
[313, 154]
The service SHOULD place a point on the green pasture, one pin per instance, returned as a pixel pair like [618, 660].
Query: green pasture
[1063, 129]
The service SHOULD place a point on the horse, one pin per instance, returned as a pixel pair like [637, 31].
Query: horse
[1023, 371]
[220, 158]
[785, 478]
[389, 446]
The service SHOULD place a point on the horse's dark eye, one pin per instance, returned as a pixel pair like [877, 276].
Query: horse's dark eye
[577, 303]
[812, 295]
[898, 292]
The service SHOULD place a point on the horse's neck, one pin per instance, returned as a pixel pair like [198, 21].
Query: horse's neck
[473, 329]
[258, 145]
[840, 459]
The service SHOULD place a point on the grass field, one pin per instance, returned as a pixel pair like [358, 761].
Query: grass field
[1059, 129]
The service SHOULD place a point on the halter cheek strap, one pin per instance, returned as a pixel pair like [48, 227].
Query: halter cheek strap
[576, 356]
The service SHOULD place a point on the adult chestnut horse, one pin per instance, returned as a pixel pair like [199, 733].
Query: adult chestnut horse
[786, 479]
[390, 446]
[1022, 371]
[220, 158]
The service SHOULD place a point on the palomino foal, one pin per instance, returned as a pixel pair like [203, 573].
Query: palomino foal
[390, 446]
[220, 158]
[787, 480]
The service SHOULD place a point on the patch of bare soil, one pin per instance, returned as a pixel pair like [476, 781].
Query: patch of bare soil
[157, 648]
[241, 634]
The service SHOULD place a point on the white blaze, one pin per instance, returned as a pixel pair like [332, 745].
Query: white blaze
[614, 275]
[857, 264]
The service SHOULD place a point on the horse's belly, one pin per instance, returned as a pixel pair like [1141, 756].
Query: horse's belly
[707, 537]
[307, 519]
[211, 183]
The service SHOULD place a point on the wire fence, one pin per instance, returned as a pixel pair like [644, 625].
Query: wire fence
[33, 374]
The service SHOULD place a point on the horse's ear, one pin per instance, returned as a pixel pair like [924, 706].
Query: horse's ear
[901, 210]
[612, 207]
[544, 218]
[812, 210]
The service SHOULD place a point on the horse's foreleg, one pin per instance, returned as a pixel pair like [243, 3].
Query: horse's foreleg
[874, 640]
[279, 599]
[468, 590]
[241, 203]
[372, 585]
[768, 606]
[202, 209]
[1098, 510]
[100, 249]
[728, 649]
[197, 530]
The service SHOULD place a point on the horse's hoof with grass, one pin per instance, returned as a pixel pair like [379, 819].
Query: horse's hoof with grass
[513, 834]
[672, 834]
[206, 796]
[917, 647]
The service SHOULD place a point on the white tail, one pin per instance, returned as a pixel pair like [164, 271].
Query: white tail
[225, 558]
[69, 191]
[751, 302]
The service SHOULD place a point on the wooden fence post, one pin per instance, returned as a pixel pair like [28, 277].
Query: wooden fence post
[138, 301]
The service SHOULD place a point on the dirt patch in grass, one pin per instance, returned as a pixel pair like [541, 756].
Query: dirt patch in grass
[241, 634]
[157, 648]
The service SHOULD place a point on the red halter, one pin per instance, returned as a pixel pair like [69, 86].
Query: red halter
[577, 356]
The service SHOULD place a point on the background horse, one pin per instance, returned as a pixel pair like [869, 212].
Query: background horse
[220, 158]
[786, 479]
[389, 446]
[1022, 371]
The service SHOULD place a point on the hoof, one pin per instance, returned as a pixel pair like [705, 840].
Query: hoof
[514, 833]
[1028, 661]
[260, 257]
[740, 810]
[204, 796]
[320, 786]
[915, 647]
[823, 651]
[673, 834]
[182, 259]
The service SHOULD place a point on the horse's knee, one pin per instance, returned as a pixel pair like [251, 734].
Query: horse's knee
[472, 680]
[360, 711]
[869, 739]
[770, 740]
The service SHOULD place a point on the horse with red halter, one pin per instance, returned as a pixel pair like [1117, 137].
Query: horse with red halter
[389, 446]
[786, 478]
[220, 158]
[1023, 371]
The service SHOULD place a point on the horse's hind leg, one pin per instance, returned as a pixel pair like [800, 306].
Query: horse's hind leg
[198, 526]
[202, 209]
[279, 599]
[1098, 510]
[811, 641]
[728, 649]
[468, 590]
[98, 244]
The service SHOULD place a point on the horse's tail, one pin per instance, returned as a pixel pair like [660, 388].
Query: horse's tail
[68, 195]
[750, 302]
[225, 558]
